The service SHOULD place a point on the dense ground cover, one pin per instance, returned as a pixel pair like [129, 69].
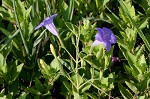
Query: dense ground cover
[81, 49]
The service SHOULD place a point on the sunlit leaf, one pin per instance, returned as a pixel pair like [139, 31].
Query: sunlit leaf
[125, 92]
[132, 87]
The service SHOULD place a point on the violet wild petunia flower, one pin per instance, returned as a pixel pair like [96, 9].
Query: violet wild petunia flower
[48, 24]
[105, 36]
[114, 59]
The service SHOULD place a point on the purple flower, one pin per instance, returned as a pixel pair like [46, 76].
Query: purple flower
[106, 37]
[114, 59]
[48, 24]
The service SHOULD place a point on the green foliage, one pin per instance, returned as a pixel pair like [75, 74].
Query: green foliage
[3, 66]
[36, 64]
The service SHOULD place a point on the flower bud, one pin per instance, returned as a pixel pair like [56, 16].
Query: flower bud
[42, 63]
[114, 59]
[53, 50]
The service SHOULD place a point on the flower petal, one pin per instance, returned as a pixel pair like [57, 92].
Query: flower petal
[99, 35]
[53, 16]
[40, 25]
[51, 27]
[113, 39]
[107, 45]
[106, 37]
[106, 33]
[109, 35]
[48, 24]
[49, 20]
[96, 42]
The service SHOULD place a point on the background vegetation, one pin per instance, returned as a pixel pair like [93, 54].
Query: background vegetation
[29, 68]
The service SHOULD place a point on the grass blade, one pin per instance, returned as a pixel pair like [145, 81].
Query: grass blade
[21, 34]
[9, 40]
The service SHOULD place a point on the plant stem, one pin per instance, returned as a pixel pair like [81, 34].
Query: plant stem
[77, 58]
[62, 44]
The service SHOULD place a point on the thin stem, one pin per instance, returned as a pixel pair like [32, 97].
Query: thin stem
[62, 44]
[101, 90]
[3, 40]
[91, 49]
[21, 34]
[68, 77]
[70, 56]
[77, 58]
[77, 51]
[85, 83]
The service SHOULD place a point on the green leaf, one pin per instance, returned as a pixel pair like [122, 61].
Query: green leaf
[22, 96]
[4, 31]
[7, 50]
[142, 64]
[3, 65]
[111, 79]
[132, 62]
[131, 59]
[68, 10]
[68, 86]
[21, 10]
[4, 13]
[144, 84]
[139, 52]
[64, 63]
[114, 20]
[91, 95]
[132, 87]
[9, 40]
[71, 10]
[77, 79]
[36, 42]
[100, 52]
[64, 7]
[84, 96]
[143, 23]
[38, 85]
[92, 63]
[2, 92]
[85, 87]
[76, 95]
[9, 95]
[98, 4]
[105, 2]
[131, 10]
[125, 92]
[142, 97]
[104, 82]
[71, 27]
[1, 80]
[50, 72]
[55, 64]
[143, 3]
[44, 68]
[33, 91]
[141, 34]
[15, 71]
[127, 69]
[7, 4]
[28, 12]
[108, 82]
